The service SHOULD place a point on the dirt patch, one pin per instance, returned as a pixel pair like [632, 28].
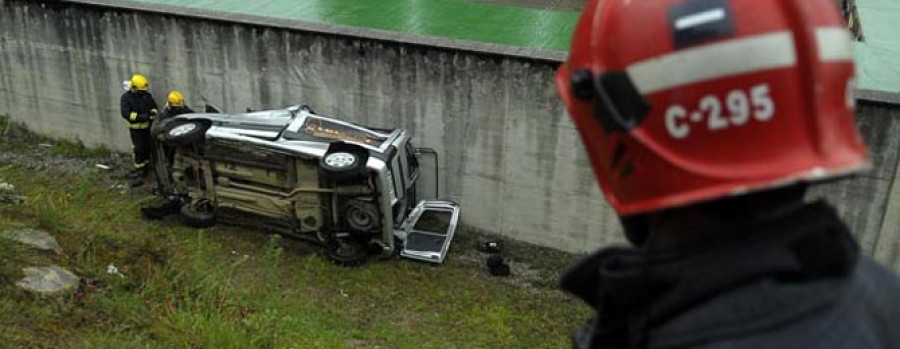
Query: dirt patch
[533, 267]
[134, 260]
[24, 148]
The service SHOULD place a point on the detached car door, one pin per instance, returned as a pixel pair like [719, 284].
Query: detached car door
[429, 228]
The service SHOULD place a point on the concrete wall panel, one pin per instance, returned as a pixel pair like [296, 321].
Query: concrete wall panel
[509, 154]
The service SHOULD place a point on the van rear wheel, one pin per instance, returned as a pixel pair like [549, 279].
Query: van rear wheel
[346, 252]
[198, 214]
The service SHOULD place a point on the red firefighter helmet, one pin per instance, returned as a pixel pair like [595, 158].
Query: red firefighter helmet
[682, 101]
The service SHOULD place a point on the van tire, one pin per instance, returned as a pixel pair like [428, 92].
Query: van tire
[346, 252]
[184, 132]
[344, 161]
[198, 215]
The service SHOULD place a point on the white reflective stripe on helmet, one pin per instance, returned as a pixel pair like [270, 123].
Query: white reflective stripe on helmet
[714, 61]
[834, 44]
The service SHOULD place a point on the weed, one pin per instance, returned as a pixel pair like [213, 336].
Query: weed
[76, 149]
[50, 211]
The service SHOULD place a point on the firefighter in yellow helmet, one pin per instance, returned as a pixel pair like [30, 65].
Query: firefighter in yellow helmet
[175, 105]
[162, 156]
[139, 109]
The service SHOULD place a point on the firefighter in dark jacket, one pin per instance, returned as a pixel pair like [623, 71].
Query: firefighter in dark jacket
[138, 108]
[174, 106]
[704, 126]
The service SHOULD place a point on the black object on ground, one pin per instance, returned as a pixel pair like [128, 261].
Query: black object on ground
[489, 247]
[159, 211]
[497, 267]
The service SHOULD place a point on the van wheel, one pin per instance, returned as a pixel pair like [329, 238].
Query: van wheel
[343, 161]
[340, 162]
[346, 252]
[184, 132]
[361, 216]
[199, 214]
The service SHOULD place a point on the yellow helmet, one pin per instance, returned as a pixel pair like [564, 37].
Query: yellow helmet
[139, 82]
[175, 99]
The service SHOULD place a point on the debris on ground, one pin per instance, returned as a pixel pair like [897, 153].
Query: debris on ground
[36, 238]
[497, 267]
[489, 246]
[48, 281]
[8, 195]
[102, 166]
[111, 269]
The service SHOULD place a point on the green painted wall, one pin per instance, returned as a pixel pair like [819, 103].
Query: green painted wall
[879, 55]
[509, 25]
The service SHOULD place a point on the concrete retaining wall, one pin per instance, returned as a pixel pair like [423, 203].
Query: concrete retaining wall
[509, 154]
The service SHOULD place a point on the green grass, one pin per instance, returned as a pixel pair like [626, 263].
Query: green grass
[76, 148]
[15, 135]
[234, 288]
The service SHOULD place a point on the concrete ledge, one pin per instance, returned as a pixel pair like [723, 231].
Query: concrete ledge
[547, 56]
[892, 98]
[364, 33]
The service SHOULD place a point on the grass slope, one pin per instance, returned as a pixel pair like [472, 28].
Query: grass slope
[233, 288]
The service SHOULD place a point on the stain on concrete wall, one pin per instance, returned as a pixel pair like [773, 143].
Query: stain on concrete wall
[509, 154]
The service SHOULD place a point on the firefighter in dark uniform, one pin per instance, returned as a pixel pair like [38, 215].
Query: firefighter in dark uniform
[704, 126]
[139, 109]
[174, 106]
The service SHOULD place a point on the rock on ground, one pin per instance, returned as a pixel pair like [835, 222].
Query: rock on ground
[48, 281]
[8, 194]
[36, 238]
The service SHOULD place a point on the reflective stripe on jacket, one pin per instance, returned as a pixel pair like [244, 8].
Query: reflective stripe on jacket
[133, 105]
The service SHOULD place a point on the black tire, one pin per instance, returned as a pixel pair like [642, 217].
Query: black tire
[158, 210]
[346, 252]
[184, 132]
[343, 161]
[198, 215]
[157, 127]
[340, 162]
